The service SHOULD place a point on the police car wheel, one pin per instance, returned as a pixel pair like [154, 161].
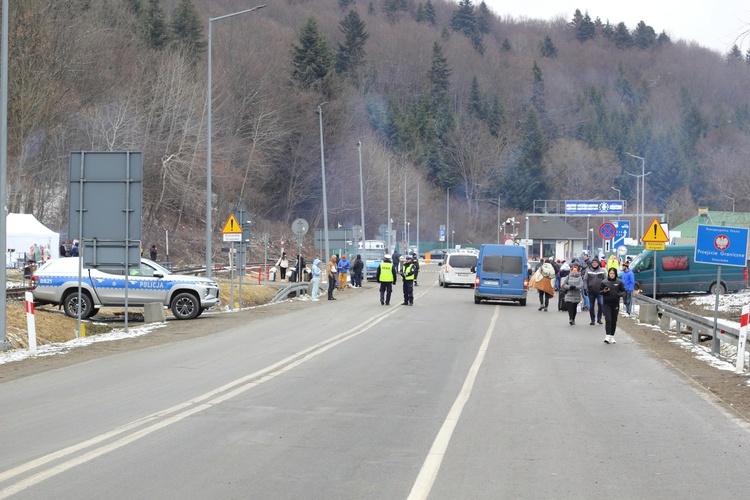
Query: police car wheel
[70, 305]
[185, 306]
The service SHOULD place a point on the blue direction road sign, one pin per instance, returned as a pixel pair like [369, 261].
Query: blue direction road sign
[622, 231]
[721, 245]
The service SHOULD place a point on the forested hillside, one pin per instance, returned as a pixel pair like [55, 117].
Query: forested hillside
[455, 99]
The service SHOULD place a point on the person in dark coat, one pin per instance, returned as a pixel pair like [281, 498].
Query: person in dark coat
[357, 267]
[572, 284]
[611, 291]
[415, 263]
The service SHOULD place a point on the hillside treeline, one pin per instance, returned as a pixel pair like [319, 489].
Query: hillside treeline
[450, 98]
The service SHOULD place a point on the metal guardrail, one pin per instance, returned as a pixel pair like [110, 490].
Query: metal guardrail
[698, 324]
[292, 288]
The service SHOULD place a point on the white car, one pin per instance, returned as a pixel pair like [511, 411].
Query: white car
[57, 283]
[458, 269]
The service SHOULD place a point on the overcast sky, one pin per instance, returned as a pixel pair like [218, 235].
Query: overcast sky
[716, 25]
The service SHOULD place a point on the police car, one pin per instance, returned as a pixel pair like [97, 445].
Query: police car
[57, 283]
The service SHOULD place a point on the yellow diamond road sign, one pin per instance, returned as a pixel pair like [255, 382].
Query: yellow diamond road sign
[232, 226]
[655, 233]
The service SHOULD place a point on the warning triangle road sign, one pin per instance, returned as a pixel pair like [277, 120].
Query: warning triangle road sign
[232, 226]
[655, 233]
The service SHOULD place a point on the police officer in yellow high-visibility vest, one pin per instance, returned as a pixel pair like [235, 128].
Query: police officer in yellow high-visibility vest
[386, 276]
[407, 275]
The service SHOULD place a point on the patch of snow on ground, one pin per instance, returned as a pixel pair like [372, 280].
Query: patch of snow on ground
[63, 347]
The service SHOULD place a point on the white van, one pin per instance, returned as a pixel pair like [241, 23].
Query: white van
[457, 269]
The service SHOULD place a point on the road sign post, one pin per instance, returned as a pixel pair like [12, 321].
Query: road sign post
[655, 238]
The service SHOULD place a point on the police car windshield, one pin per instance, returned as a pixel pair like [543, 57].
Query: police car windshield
[157, 267]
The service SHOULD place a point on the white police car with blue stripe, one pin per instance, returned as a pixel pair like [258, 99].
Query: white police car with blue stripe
[57, 283]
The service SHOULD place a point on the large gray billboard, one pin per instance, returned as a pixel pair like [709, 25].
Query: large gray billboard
[104, 210]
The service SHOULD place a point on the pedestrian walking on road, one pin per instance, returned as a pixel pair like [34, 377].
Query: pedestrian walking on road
[407, 276]
[628, 280]
[386, 276]
[572, 284]
[595, 276]
[611, 291]
[542, 281]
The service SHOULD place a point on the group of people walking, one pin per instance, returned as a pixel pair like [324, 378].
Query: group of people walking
[588, 285]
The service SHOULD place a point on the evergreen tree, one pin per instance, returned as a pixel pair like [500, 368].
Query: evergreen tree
[583, 26]
[694, 125]
[351, 54]
[505, 46]
[644, 36]
[421, 16]
[547, 48]
[734, 55]
[187, 30]
[663, 39]
[463, 19]
[393, 9]
[525, 181]
[439, 75]
[622, 37]
[429, 12]
[312, 59]
[495, 117]
[154, 26]
[484, 17]
[537, 94]
[371, 9]
[344, 4]
[476, 105]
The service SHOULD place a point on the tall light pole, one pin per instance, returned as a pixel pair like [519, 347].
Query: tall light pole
[208, 134]
[417, 218]
[641, 228]
[619, 196]
[4, 344]
[361, 194]
[448, 218]
[389, 207]
[323, 177]
[405, 223]
[498, 219]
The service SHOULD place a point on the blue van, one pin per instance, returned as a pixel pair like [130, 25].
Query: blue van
[501, 274]
[677, 272]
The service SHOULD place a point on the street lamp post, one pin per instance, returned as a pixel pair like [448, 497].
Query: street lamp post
[361, 194]
[408, 231]
[323, 176]
[4, 343]
[447, 217]
[619, 196]
[208, 133]
[643, 190]
[390, 221]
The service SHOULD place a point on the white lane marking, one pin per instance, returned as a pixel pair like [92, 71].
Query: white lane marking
[159, 420]
[431, 466]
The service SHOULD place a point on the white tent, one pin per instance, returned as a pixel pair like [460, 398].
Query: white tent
[23, 231]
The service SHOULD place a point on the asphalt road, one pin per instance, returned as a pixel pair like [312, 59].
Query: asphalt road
[351, 399]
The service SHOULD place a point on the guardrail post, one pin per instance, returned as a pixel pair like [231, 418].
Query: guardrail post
[647, 314]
